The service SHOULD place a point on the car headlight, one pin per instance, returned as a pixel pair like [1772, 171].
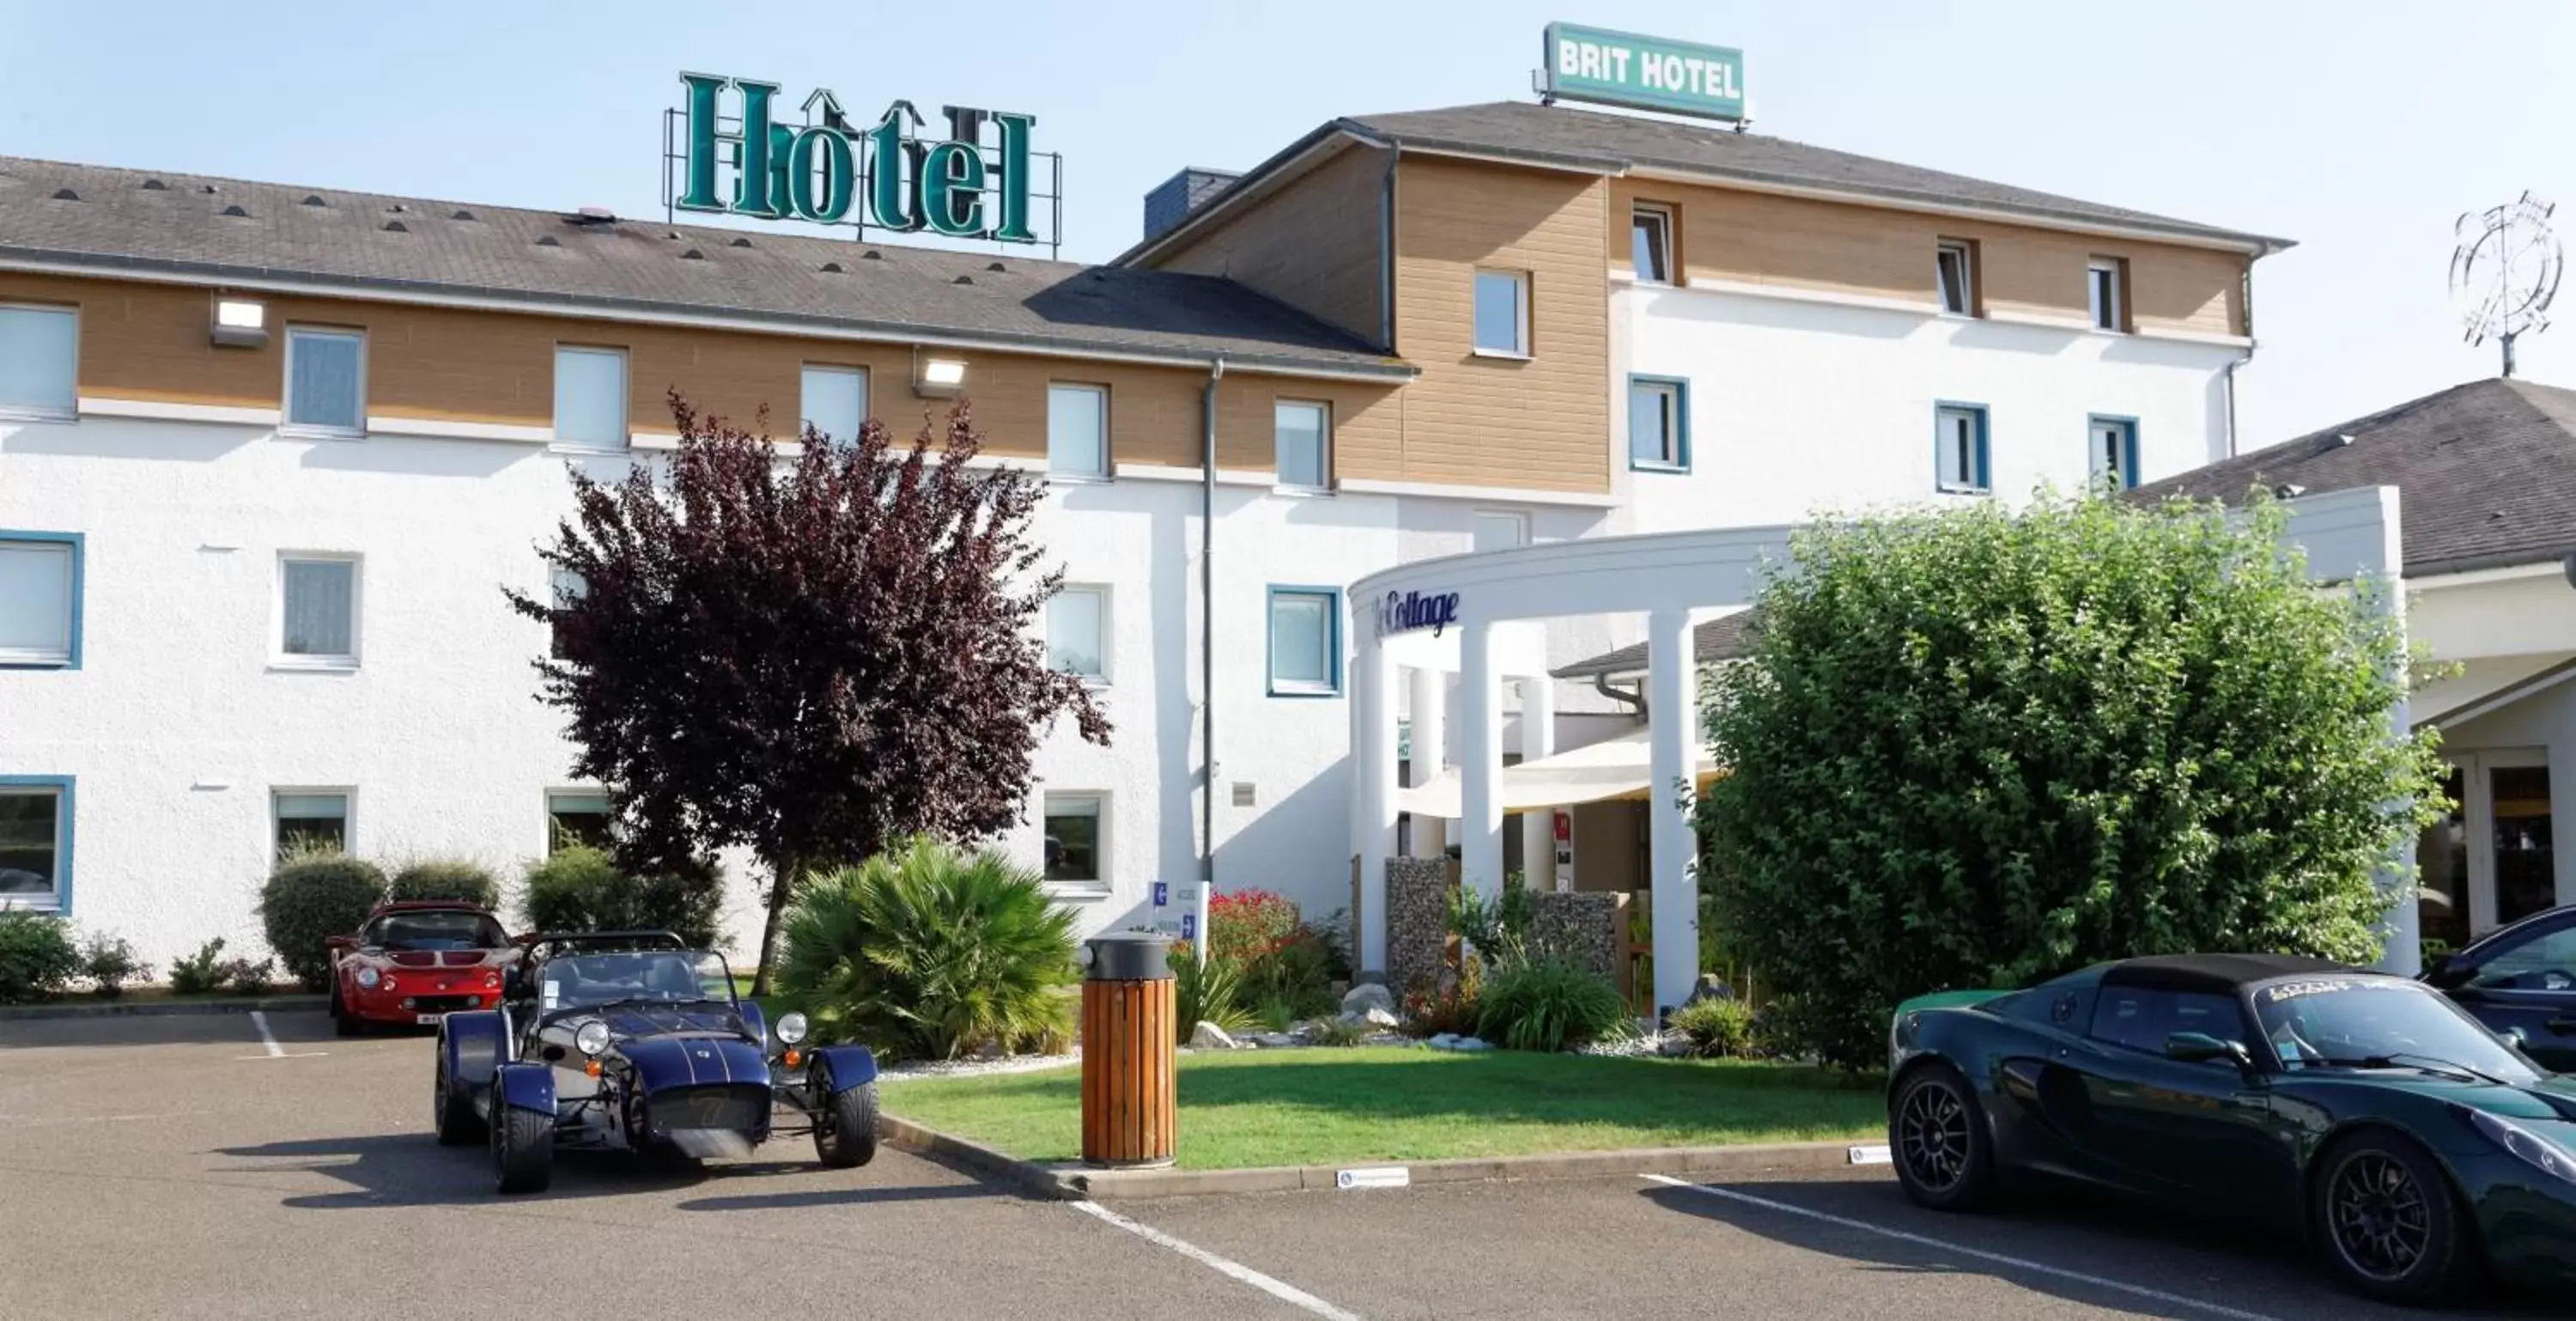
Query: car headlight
[791, 1028]
[591, 1037]
[368, 977]
[2530, 1148]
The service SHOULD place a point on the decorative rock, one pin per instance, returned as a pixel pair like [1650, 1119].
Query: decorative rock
[1443, 1041]
[1365, 997]
[1470, 1045]
[1376, 1017]
[1711, 987]
[1208, 1036]
[1275, 1040]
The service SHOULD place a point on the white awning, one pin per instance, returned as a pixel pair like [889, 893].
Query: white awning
[1613, 768]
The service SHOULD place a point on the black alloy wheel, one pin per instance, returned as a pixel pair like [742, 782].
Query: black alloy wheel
[1937, 1138]
[2390, 1224]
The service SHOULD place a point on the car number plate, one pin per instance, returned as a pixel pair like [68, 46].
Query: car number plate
[427, 1020]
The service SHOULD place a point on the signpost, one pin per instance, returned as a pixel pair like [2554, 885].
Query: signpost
[1642, 73]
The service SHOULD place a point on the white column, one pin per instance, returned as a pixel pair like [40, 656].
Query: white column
[1430, 753]
[2404, 953]
[1672, 709]
[1538, 740]
[1374, 670]
[1480, 762]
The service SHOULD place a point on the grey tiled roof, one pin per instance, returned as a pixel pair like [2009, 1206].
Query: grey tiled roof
[112, 222]
[1589, 139]
[1716, 640]
[2485, 472]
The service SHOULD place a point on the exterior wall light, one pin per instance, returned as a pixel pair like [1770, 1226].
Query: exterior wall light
[936, 377]
[241, 323]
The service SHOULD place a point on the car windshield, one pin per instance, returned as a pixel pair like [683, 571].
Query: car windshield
[2370, 1022]
[438, 931]
[664, 976]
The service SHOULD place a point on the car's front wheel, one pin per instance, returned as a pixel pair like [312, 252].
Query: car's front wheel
[342, 1024]
[2387, 1220]
[845, 1126]
[523, 1149]
[451, 1108]
[1936, 1136]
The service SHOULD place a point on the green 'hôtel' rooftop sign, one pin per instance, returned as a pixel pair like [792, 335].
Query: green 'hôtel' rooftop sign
[830, 173]
[1646, 73]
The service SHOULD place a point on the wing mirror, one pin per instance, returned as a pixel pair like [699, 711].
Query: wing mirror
[340, 944]
[2201, 1048]
[2514, 1038]
[2449, 972]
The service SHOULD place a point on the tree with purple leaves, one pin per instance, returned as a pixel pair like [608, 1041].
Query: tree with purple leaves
[812, 658]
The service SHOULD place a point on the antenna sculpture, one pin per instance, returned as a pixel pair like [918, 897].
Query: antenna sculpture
[2505, 271]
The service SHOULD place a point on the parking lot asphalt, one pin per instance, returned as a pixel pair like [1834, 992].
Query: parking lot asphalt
[192, 1167]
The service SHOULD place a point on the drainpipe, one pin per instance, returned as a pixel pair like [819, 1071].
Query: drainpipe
[1207, 661]
[2232, 365]
[1386, 251]
[1635, 701]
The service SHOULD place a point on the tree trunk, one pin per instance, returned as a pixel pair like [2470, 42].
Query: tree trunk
[782, 886]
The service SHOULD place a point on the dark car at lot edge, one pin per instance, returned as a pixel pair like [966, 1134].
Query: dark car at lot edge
[2521, 978]
[2363, 1112]
[634, 1041]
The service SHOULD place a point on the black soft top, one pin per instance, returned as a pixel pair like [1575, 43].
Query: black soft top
[2221, 974]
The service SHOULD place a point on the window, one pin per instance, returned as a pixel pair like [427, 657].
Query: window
[40, 599]
[1078, 430]
[836, 401]
[1954, 262]
[2106, 284]
[1305, 641]
[1077, 632]
[2140, 1018]
[1501, 529]
[1075, 844]
[2113, 452]
[566, 587]
[1960, 448]
[310, 819]
[590, 398]
[1502, 313]
[1650, 243]
[576, 816]
[326, 382]
[36, 842]
[39, 362]
[1658, 424]
[317, 610]
[1304, 434]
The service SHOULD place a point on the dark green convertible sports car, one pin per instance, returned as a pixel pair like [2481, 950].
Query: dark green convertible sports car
[2409, 1143]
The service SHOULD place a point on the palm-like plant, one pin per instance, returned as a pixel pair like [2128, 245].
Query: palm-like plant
[930, 952]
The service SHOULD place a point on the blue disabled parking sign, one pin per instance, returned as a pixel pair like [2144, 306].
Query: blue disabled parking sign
[1162, 894]
[1189, 926]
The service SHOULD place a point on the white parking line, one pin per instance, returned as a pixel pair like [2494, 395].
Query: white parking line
[1287, 1293]
[259, 1019]
[1980, 1254]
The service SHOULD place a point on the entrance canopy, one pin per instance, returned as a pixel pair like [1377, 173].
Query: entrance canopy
[1613, 768]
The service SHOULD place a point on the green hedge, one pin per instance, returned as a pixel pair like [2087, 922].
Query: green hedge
[581, 888]
[446, 878]
[36, 956]
[310, 898]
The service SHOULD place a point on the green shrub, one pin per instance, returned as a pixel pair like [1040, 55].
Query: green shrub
[1718, 1029]
[1452, 1006]
[247, 977]
[201, 972]
[109, 963]
[1284, 958]
[583, 889]
[1209, 993]
[1548, 1004]
[1336, 1032]
[36, 956]
[311, 897]
[1498, 929]
[1982, 747]
[929, 952]
[445, 878]
[1275, 1013]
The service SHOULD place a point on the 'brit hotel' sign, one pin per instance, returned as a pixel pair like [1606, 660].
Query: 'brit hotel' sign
[1647, 73]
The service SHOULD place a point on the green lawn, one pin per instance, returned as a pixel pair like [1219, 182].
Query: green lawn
[1323, 1106]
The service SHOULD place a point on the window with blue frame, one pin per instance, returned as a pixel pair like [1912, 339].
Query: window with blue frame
[1962, 449]
[40, 600]
[1658, 424]
[2113, 451]
[36, 842]
[1305, 641]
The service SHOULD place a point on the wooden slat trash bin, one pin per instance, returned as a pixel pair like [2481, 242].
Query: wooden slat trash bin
[1128, 1111]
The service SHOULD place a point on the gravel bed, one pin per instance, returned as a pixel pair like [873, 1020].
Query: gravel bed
[971, 1068]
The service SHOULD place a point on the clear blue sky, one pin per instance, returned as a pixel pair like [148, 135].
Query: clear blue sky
[2361, 129]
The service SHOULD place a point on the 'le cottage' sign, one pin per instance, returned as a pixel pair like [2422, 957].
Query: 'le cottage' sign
[1403, 612]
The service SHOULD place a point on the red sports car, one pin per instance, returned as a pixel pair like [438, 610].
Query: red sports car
[416, 959]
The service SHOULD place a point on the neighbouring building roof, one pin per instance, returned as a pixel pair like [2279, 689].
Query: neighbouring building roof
[1716, 640]
[2486, 473]
[111, 222]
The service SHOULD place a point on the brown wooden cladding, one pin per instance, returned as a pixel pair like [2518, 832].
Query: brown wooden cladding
[1838, 247]
[150, 342]
[1312, 245]
[1129, 1110]
[1480, 421]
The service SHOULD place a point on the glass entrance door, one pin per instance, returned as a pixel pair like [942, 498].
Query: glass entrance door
[2526, 872]
[2442, 872]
